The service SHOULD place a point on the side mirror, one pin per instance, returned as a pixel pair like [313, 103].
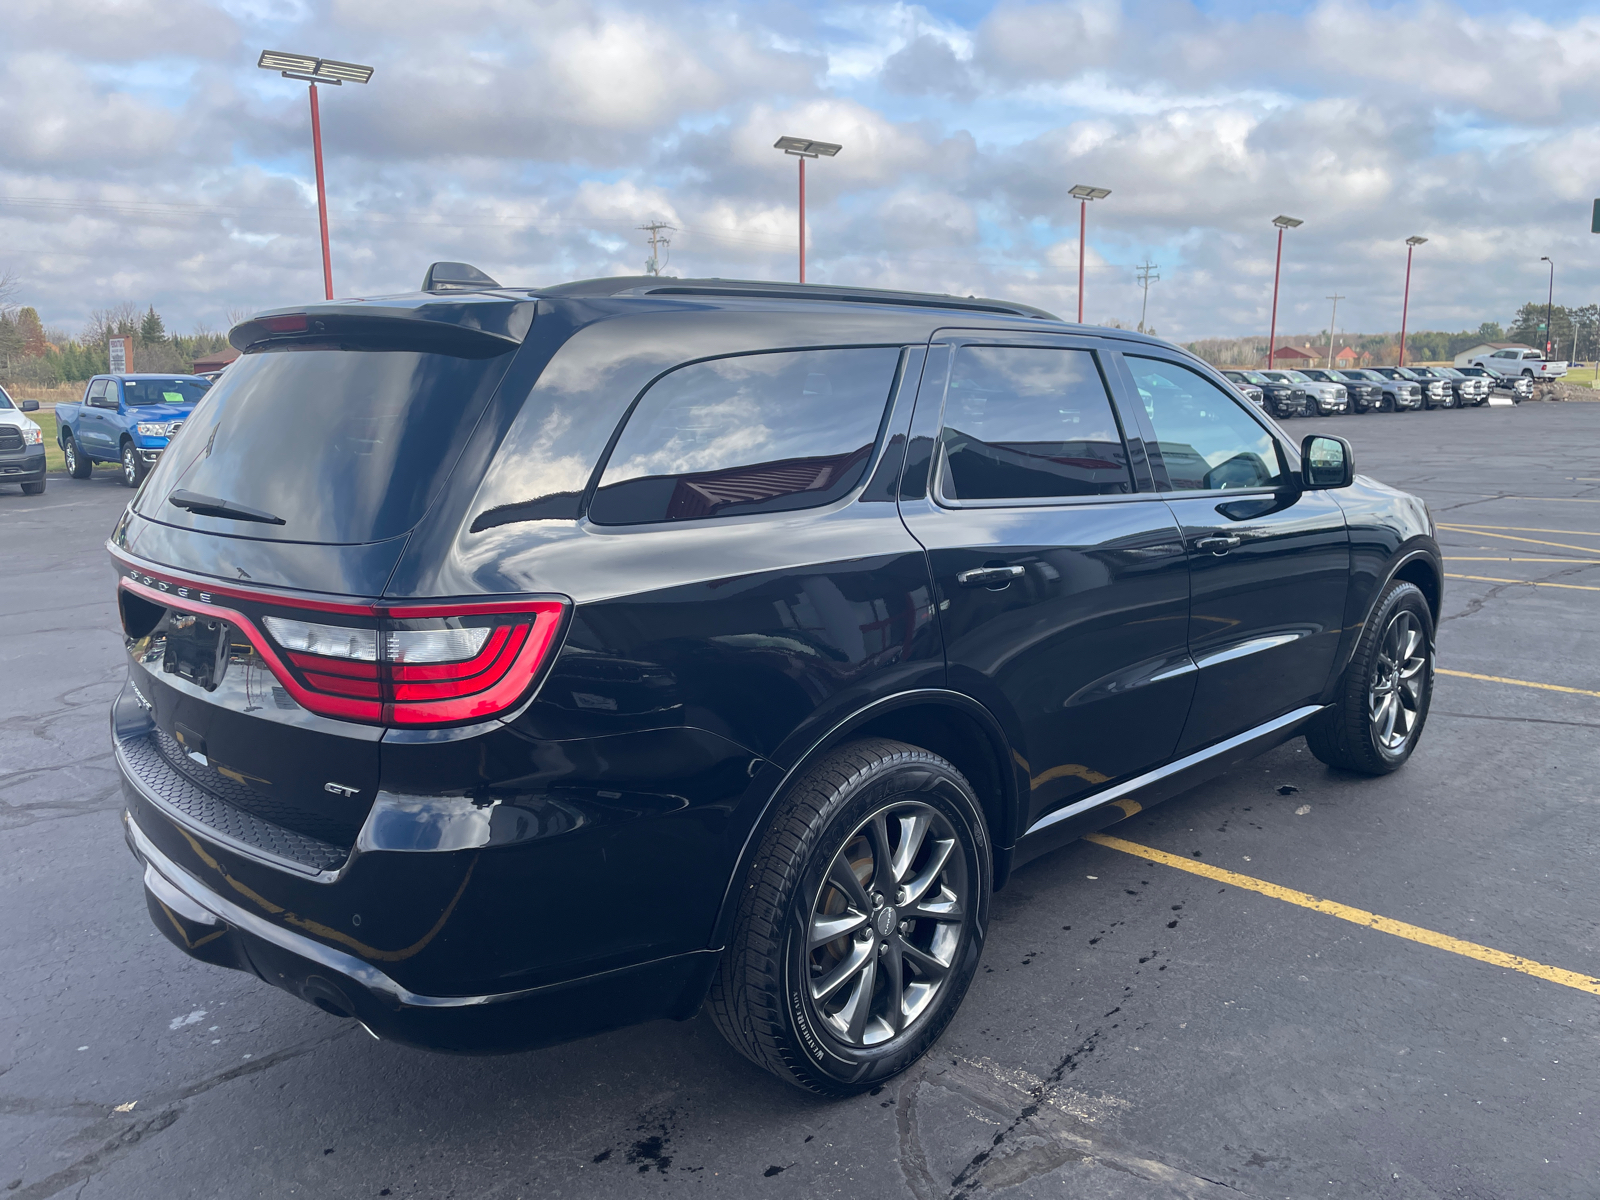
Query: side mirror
[1326, 462]
[28, 405]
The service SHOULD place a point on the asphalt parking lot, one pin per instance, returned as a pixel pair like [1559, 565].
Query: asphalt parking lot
[1138, 1030]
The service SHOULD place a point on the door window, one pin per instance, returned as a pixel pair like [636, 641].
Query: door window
[1026, 424]
[753, 433]
[1207, 440]
[97, 394]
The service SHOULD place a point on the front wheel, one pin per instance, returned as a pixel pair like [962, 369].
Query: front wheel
[133, 468]
[1383, 698]
[33, 489]
[861, 922]
[78, 465]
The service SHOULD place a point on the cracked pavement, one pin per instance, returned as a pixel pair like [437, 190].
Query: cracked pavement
[1134, 1031]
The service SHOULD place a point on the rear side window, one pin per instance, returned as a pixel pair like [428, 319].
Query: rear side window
[1027, 424]
[754, 433]
[345, 445]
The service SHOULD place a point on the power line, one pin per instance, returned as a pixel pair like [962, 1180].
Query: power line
[1331, 322]
[1146, 275]
[659, 241]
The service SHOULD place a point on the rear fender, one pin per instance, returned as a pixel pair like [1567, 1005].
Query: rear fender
[1001, 809]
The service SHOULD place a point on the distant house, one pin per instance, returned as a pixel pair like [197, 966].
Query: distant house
[1294, 357]
[1466, 356]
[1348, 356]
[215, 361]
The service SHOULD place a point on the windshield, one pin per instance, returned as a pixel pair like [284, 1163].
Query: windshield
[163, 391]
[5, 400]
[345, 445]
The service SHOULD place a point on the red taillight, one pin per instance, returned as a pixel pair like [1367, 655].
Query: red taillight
[289, 323]
[383, 664]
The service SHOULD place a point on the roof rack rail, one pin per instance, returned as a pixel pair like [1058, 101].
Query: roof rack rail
[852, 295]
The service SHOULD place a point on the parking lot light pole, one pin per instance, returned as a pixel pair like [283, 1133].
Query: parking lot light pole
[1272, 330]
[804, 148]
[1548, 301]
[1083, 193]
[1405, 303]
[314, 71]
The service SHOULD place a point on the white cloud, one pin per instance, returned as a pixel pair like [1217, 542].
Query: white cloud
[143, 157]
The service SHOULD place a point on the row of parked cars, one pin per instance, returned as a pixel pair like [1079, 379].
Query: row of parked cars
[1328, 393]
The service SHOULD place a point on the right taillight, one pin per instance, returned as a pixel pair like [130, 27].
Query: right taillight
[411, 665]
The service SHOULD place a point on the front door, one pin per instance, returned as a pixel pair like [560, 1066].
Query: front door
[1269, 564]
[1060, 581]
[93, 432]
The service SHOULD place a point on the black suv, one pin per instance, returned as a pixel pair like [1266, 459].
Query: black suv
[507, 665]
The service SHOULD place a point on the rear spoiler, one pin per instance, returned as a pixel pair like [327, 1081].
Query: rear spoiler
[471, 326]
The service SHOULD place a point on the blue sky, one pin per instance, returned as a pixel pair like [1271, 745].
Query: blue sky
[144, 158]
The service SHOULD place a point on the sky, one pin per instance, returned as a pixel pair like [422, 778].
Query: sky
[145, 158]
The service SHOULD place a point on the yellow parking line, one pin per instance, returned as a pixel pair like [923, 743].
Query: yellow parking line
[1519, 529]
[1357, 916]
[1510, 537]
[1509, 558]
[1547, 687]
[1577, 587]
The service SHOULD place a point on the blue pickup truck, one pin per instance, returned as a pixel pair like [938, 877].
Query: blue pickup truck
[127, 420]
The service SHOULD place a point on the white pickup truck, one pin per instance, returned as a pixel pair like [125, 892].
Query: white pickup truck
[1528, 363]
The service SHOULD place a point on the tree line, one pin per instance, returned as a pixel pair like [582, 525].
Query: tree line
[1575, 335]
[31, 353]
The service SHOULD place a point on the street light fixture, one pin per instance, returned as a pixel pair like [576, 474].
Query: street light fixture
[1272, 330]
[804, 148]
[1548, 301]
[1405, 304]
[1083, 193]
[314, 71]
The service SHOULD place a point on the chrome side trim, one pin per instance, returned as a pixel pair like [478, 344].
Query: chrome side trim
[178, 901]
[1173, 768]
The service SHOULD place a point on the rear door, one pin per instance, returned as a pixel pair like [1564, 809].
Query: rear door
[1268, 563]
[1059, 574]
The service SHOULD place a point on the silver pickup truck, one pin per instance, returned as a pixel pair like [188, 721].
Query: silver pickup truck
[1529, 364]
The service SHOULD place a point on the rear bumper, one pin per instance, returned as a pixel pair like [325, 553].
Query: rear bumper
[212, 928]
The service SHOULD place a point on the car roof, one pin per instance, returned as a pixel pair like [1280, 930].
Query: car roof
[149, 375]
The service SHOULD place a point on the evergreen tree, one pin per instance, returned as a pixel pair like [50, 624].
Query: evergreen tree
[152, 329]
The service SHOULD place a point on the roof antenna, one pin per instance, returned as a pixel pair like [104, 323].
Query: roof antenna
[456, 277]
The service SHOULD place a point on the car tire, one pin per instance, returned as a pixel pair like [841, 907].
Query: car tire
[78, 464]
[1383, 697]
[33, 489]
[133, 468]
[825, 1015]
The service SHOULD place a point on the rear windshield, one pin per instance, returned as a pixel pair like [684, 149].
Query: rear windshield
[163, 391]
[344, 445]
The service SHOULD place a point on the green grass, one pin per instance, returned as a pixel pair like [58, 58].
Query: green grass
[45, 418]
[1581, 375]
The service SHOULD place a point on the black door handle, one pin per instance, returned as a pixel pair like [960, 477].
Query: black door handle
[1217, 545]
[990, 576]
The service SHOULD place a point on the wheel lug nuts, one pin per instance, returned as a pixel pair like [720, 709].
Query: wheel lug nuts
[877, 901]
[905, 926]
[883, 948]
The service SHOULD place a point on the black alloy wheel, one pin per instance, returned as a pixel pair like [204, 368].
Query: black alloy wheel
[132, 465]
[78, 465]
[1383, 698]
[862, 921]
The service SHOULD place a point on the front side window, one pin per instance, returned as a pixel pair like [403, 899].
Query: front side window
[1207, 440]
[1029, 424]
[97, 394]
[753, 433]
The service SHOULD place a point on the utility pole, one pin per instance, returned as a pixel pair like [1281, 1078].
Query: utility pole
[1331, 321]
[659, 241]
[1548, 303]
[1147, 276]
